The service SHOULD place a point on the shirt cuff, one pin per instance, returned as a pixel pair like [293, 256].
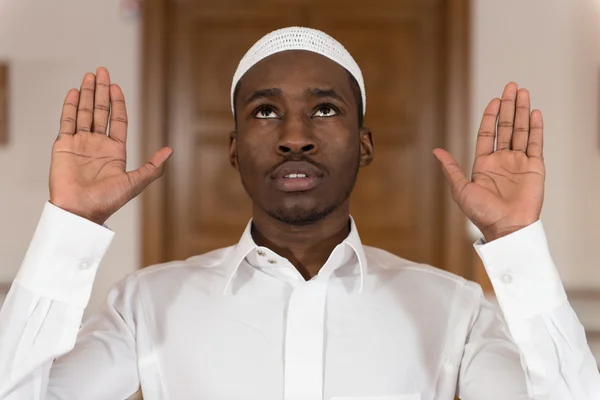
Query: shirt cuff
[63, 257]
[522, 272]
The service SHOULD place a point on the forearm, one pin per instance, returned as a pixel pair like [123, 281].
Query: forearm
[556, 359]
[33, 331]
[40, 318]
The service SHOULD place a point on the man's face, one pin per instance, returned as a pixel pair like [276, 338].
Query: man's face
[298, 144]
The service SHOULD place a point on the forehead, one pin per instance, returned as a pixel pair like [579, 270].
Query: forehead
[296, 68]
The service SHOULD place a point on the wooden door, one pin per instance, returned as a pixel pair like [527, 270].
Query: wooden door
[208, 207]
[400, 202]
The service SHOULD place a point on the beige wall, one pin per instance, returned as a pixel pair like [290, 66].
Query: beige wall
[549, 46]
[50, 45]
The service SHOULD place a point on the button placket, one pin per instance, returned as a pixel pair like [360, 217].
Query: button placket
[304, 342]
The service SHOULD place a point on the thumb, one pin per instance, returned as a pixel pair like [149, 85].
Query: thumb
[149, 172]
[456, 179]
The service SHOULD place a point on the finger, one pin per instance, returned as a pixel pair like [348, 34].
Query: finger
[149, 172]
[118, 116]
[535, 145]
[452, 172]
[507, 117]
[86, 103]
[69, 113]
[521, 131]
[487, 130]
[101, 101]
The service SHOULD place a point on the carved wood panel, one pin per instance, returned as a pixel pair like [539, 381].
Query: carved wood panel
[396, 202]
[210, 206]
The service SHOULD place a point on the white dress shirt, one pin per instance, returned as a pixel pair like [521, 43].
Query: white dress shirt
[242, 323]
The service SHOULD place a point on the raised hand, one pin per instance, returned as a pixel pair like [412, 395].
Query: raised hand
[506, 190]
[87, 171]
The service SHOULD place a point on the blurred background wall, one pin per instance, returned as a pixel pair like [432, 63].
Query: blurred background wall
[549, 46]
[552, 48]
[49, 46]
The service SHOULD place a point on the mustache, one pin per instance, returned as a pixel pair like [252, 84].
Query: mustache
[297, 158]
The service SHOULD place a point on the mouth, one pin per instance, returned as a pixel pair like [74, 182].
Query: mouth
[296, 176]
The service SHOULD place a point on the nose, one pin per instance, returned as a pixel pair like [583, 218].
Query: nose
[296, 138]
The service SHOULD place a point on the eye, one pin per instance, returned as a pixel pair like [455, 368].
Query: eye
[266, 113]
[325, 111]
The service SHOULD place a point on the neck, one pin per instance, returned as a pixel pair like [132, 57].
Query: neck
[307, 247]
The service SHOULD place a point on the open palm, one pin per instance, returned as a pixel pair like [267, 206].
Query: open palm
[506, 189]
[87, 172]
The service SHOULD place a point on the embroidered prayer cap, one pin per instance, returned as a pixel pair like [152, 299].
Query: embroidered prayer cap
[299, 38]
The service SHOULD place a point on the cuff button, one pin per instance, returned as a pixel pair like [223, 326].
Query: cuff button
[84, 265]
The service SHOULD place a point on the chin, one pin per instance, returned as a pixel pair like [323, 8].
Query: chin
[298, 215]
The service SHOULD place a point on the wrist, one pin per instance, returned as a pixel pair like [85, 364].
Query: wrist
[494, 233]
[79, 213]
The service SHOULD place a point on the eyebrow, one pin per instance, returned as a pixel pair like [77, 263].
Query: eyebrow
[310, 92]
[264, 94]
[316, 92]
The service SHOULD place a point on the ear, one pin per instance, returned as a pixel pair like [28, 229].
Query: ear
[233, 159]
[367, 147]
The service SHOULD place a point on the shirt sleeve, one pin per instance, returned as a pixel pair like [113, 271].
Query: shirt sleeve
[42, 313]
[551, 343]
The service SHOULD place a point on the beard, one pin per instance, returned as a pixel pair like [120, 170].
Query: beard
[296, 214]
[299, 216]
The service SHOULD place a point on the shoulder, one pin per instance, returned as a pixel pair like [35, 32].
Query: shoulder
[208, 266]
[410, 273]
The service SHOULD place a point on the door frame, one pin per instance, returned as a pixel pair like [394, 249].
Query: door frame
[155, 17]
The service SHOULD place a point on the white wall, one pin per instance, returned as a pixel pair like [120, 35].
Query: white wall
[50, 45]
[551, 47]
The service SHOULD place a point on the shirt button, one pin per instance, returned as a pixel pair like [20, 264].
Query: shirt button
[506, 278]
[272, 261]
[84, 265]
[260, 253]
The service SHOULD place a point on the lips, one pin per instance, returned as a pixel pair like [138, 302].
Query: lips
[296, 176]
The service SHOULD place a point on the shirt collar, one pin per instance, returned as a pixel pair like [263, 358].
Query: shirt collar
[338, 257]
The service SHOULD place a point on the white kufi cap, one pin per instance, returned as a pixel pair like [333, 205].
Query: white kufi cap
[297, 38]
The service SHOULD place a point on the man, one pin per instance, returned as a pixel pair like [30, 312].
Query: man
[298, 309]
